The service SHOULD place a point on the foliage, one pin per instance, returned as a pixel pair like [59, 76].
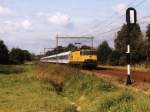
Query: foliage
[70, 47]
[19, 56]
[136, 42]
[85, 47]
[16, 55]
[148, 43]
[114, 58]
[27, 55]
[103, 52]
[135, 37]
[148, 33]
[60, 49]
[140, 47]
[4, 53]
[137, 57]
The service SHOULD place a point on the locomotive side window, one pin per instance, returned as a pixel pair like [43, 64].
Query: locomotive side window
[88, 53]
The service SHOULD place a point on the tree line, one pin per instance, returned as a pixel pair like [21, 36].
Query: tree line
[140, 47]
[70, 47]
[14, 56]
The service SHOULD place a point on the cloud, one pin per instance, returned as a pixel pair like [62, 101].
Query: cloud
[40, 14]
[4, 11]
[10, 26]
[59, 19]
[26, 24]
[120, 8]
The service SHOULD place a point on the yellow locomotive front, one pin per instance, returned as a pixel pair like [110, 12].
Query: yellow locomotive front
[86, 58]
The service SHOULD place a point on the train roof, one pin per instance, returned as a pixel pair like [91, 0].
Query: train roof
[66, 53]
[60, 54]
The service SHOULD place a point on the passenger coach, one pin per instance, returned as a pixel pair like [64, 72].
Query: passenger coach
[87, 58]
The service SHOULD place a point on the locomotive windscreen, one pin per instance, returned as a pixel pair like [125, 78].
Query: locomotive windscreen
[88, 52]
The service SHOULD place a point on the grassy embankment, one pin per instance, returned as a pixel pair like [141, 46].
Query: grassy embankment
[56, 88]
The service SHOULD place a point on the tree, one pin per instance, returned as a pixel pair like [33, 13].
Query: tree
[71, 47]
[136, 42]
[84, 47]
[61, 49]
[136, 39]
[57, 50]
[148, 33]
[4, 53]
[103, 52]
[27, 55]
[120, 41]
[148, 43]
[17, 56]
[114, 58]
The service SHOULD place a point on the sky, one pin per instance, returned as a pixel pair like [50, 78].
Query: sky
[34, 24]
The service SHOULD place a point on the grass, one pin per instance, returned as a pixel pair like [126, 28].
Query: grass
[23, 93]
[58, 88]
[6, 69]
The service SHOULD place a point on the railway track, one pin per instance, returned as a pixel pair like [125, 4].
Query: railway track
[119, 77]
[122, 74]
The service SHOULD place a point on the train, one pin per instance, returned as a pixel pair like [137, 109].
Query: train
[84, 58]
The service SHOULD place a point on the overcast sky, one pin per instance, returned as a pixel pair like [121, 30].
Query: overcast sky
[34, 24]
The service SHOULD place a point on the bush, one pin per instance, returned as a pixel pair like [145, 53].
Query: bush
[4, 56]
[19, 56]
[122, 60]
[137, 57]
[114, 58]
[103, 52]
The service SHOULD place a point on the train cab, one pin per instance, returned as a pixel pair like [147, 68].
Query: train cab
[84, 58]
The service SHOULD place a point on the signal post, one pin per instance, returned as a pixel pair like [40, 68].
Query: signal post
[131, 19]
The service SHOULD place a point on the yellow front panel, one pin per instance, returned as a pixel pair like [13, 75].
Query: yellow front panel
[75, 57]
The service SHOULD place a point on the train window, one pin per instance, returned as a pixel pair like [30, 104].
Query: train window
[57, 57]
[63, 57]
[88, 52]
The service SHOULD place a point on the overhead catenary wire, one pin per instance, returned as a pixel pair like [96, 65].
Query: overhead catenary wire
[112, 16]
[117, 28]
[140, 3]
[137, 5]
